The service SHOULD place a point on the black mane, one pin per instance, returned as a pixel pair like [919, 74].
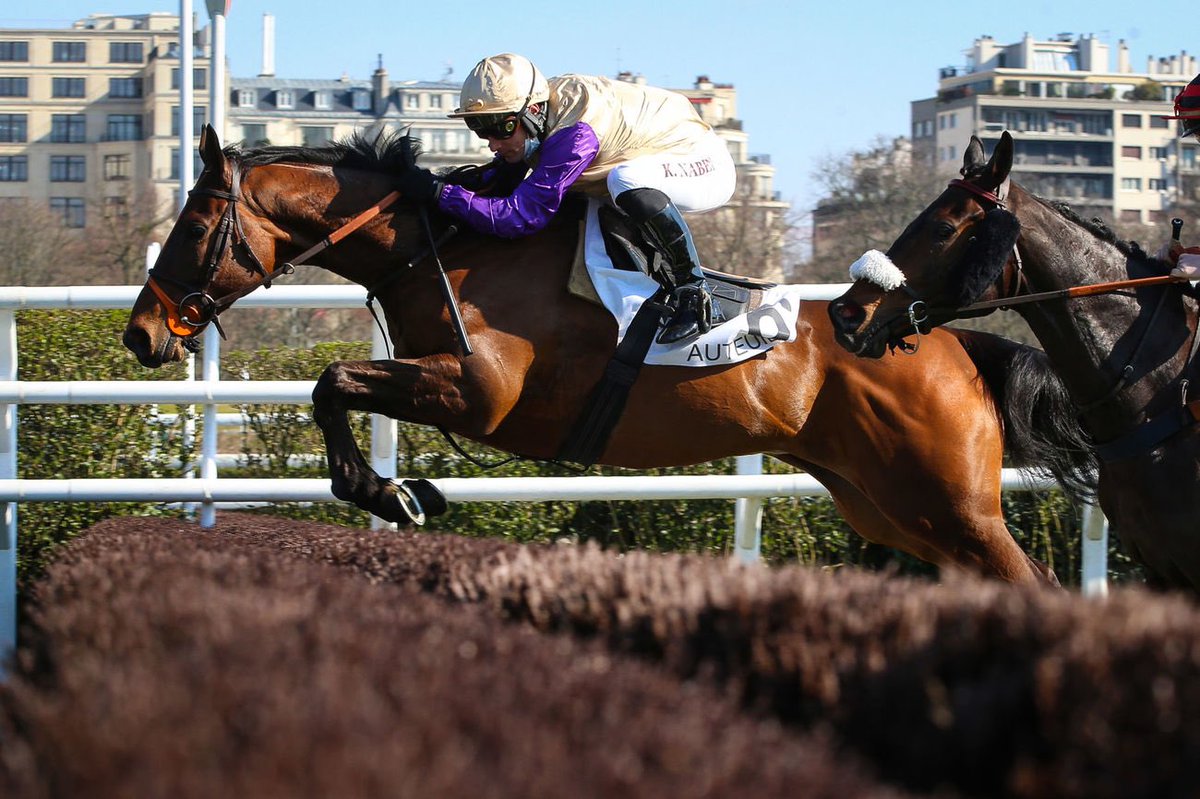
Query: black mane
[388, 152]
[1095, 226]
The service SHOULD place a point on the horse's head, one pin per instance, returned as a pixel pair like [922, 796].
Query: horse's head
[217, 251]
[954, 253]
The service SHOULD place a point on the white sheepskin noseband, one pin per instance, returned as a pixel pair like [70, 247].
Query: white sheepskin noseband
[877, 268]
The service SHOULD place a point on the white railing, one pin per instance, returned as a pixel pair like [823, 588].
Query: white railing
[749, 487]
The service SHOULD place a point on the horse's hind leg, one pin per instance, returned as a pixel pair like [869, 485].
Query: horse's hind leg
[946, 532]
[398, 389]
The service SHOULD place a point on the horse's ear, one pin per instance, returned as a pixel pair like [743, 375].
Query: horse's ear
[973, 158]
[210, 149]
[1002, 159]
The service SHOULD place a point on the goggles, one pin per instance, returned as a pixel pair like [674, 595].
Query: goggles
[493, 126]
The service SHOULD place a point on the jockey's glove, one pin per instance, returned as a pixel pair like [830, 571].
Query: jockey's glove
[419, 184]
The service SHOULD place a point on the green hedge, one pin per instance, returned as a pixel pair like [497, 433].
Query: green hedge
[115, 441]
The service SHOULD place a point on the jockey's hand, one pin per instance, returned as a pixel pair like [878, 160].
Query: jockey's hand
[1187, 264]
[1171, 251]
[418, 184]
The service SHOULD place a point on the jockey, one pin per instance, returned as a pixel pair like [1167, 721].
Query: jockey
[1186, 261]
[644, 147]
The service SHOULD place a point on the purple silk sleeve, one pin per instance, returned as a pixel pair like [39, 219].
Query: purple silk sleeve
[562, 158]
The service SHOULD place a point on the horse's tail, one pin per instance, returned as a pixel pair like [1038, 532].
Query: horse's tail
[1041, 425]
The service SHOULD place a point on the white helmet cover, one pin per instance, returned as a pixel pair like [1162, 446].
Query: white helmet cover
[501, 84]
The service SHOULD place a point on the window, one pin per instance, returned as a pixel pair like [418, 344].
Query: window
[123, 127]
[125, 52]
[361, 100]
[247, 98]
[323, 100]
[14, 87]
[284, 98]
[1131, 120]
[13, 128]
[68, 128]
[1159, 153]
[435, 101]
[117, 167]
[14, 168]
[199, 115]
[1157, 121]
[412, 102]
[116, 208]
[14, 51]
[199, 78]
[71, 209]
[67, 87]
[197, 164]
[254, 135]
[1130, 151]
[124, 87]
[70, 52]
[315, 137]
[67, 169]
[1131, 184]
[1156, 184]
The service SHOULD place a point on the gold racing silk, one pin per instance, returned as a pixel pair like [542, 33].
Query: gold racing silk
[630, 120]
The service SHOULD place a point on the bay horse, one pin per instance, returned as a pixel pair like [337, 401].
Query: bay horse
[911, 456]
[1118, 329]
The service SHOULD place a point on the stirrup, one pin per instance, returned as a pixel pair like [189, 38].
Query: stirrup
[680, 327]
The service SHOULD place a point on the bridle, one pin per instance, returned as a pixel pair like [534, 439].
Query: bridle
[198, 308]
[1142, 436]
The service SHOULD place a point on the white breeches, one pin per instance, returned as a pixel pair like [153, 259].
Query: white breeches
[697, 181]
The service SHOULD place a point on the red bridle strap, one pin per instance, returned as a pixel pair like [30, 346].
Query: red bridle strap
[990, 196]
[174, 323]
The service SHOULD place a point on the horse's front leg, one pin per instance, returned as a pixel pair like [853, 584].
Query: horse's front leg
[431, 391]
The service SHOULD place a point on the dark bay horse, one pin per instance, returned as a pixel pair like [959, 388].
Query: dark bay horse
[1126, 356]
[911, 452]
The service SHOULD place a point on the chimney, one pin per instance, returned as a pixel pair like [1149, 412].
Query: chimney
[379, 83]
[268, 47]
[1122, 57]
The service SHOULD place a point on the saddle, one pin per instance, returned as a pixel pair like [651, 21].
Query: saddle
[628, 250]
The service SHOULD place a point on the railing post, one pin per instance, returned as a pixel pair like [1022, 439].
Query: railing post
[383, 431]
[8, 470]
[1094, 578]
[208, 443]
[747, 515]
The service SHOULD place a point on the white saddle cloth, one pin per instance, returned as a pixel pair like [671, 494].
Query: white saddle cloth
[622, 292]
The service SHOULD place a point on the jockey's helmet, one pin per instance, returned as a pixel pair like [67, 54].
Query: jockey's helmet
[1187, 108]
[501, 89]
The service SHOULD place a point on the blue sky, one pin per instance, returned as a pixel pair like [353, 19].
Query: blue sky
[814, 79]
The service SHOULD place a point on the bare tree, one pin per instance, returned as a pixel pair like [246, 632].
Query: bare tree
[36, 248]
[122, 225]
[870, 196]
[747, 237]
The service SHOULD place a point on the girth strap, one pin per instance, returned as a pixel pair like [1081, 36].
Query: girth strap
[589, 435]
[1151, 433]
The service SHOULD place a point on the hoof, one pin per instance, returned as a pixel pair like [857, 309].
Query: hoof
[419, 500]
[427, 494]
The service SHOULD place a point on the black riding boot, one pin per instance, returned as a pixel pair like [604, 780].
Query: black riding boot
[660, 222]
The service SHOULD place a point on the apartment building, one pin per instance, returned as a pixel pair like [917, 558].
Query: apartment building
[1085, 132]
[87, 112]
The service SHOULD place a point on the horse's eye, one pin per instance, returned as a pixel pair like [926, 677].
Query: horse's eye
[943, 230]
[197, 231]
